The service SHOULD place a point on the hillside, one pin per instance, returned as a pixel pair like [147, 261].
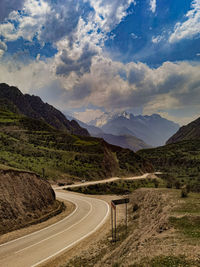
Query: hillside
[125, 141]
[188, 132]
[24, 198]
[34, 145]
[34, 107]
[153, 130]
[179, 161]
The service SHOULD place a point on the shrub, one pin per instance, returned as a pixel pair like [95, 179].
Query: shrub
[169, 185]
[156, 183]
[177, 184]
[184, 193]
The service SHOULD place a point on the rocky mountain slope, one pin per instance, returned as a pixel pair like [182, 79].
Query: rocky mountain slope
[188, 132]
[34, 107]
[34, 145]
[24, 198]
[125, 141]
[153, 130]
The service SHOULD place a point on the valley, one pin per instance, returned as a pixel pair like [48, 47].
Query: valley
[162, 184]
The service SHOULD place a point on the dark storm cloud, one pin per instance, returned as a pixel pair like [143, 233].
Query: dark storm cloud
[135, 76]
[7, 6]
[80, 66]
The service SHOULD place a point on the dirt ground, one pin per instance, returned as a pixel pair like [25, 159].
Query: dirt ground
[30, 229]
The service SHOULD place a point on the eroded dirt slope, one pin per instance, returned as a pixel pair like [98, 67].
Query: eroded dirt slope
[24, 198]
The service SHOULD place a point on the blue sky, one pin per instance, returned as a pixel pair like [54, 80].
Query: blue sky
[90, 56]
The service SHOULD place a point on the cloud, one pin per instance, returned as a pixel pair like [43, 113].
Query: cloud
[108, 13]
[79, 66]
[157, 39]
[88, 115]
[7, 6]
[190, 27]
[134, 36]
[3, 48]
[153, 6]
[172, 86]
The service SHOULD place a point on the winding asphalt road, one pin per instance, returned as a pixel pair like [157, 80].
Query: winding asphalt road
[38, 247]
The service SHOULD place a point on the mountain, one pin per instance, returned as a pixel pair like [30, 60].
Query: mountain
[34, 107]
[188, 132]
[125, 141]
[34, 145]
[153, 130]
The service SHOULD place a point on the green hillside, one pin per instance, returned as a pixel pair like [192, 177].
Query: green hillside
[180, 161]
[188, 132]
[34, 145]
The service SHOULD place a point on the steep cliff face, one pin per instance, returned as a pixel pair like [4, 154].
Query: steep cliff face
[24, 197]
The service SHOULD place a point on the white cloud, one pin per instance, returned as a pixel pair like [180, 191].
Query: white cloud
[157, 39]
[3, 48]
[134, 36]
[190, 27]
[88, 115]
[110, 13]
[153, 5]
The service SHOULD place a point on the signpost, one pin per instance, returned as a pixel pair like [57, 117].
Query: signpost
[114, 203]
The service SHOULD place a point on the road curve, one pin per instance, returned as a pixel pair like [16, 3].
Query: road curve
[38, 247]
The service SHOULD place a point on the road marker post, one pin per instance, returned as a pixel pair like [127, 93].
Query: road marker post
[114, 203]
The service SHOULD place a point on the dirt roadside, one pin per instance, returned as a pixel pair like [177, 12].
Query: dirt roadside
[33, 228]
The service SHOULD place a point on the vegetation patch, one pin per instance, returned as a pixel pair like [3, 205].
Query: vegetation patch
[171, 261]
[188, 225]
[179, 162]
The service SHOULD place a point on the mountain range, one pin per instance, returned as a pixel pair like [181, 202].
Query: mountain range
[124, 141]
[129, 131]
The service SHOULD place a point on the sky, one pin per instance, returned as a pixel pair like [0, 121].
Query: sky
[87, 57]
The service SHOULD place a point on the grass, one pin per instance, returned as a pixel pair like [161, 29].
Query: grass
[166, 261]
[171, 261]
[186, 216]
[187, 225]
[178, 162]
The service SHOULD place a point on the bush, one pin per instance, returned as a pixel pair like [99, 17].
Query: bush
[169, 185]
[177, 185]
[184, 193]
[156, 183]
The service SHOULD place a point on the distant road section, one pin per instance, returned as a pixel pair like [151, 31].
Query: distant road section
[37, 248]
[113, 179]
